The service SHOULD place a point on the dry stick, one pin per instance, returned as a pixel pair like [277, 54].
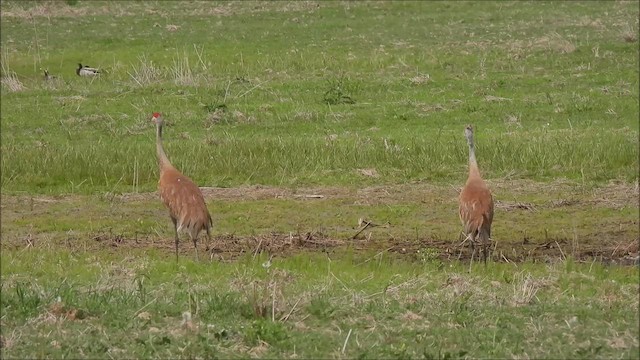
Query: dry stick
[29, 241]
[226, 92]
[361, 230]
[286, 317]
[345, 341]
[142, 308]
[340, 281]
[614, 250]
[467, 237]
[507, 260]
[561, 252]
[273, 304]
[593, 262]
[374, 294]
[257, 248]
[136, 107]
[250, 90]
[374, 256]
[134, 79]
[199, 54]
[495, 245]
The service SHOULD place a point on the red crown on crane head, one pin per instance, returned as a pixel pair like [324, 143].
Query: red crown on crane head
[156, 115]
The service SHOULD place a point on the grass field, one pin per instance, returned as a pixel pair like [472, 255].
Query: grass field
[298, 119]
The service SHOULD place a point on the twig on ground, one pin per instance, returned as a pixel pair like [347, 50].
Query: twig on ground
[309, 196]
[561, 252]
[284, 318]
[366, 225]
[144, 307]
[250, 90]
[257, 249]
[344, 346]
[374, 256]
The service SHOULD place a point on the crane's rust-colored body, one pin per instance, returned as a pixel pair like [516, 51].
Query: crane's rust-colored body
[183, 198]
[476, 203]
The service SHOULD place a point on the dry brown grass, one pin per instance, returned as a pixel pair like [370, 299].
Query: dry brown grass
[10, 79]
[557, 43]
[181, 71]
[12, 83]
[368, 172]
[145, 72]
[513, 120]
[629, 34]
[127, 8]
[61, 9]
[420, 79]
[525, 289]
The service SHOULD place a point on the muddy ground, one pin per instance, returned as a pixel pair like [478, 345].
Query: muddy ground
[229, 247]
[621, 246]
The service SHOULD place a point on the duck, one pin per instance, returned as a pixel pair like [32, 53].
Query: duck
[86, 70]
[48, 76]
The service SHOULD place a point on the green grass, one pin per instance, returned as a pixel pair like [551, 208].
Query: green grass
[306, 305]
[362, 103]
[253, 95]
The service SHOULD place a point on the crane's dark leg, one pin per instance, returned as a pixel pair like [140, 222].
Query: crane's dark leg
[175, 228]
[484, 249]
[209, 243]
[487, 243]
[208, 240]
[195, 244]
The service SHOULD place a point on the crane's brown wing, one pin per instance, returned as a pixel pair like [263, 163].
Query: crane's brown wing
[476, 207]
[184, 200]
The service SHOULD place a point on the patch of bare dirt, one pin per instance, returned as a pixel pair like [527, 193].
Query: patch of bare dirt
[369, 195]
[612, 244]
[228, 247]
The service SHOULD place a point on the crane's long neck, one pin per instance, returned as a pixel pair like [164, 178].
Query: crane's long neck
[162, 156]
[473, 164]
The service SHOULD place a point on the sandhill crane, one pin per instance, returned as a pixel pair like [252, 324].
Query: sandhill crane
[476, 203]
[183, 198]
[86, 71]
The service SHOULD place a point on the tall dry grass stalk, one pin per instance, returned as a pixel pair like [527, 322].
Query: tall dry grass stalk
[146, 72]
[182, 72]
[10, 79]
